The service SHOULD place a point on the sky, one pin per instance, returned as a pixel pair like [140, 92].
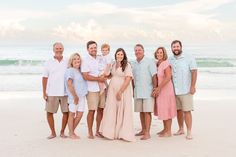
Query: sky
[118, 21]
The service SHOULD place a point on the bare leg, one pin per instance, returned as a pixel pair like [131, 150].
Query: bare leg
[148, 120]
[98, 120]
[142, 120]
[90, 118]
[63, 125]
[78, 117]
[164, 129]
[71, 125]
[188, 121]
[50, 120]
[168, 126]
[180, 122]
[167, 132]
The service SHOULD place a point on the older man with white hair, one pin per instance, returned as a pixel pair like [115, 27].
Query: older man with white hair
[54, 88]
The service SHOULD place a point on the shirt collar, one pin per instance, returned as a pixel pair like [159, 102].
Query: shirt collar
[54, 59]
[182, 55]
[91, 57]
[140, 60]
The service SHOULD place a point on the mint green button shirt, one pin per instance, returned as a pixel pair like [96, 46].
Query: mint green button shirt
[143, 72]
[181, 71]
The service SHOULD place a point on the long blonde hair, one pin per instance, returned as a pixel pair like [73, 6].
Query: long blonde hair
[70, 63]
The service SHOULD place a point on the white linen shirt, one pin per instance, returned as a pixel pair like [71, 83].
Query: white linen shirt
[55, 72]
[91, 65]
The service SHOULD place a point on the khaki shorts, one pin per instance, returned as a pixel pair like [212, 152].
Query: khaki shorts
[144, 105]
[53, 102]
[95, 100]
[184, 102]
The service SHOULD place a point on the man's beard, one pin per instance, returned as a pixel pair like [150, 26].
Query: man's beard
[178, 53]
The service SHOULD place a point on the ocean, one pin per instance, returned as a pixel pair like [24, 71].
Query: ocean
[21, 66]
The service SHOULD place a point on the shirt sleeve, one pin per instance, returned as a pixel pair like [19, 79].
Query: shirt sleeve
[69, 74]
[152, 67]
[128, 71]
[166, 64]
[192, 63]
[46, 70]
[85, 66]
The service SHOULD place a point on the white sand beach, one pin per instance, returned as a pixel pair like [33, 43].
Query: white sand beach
[24, 130]
[35, 33]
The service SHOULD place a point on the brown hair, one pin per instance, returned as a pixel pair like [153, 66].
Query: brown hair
[124, 62]
[139, 45]
[176, 41]
[90, 43]
[165, 56]
[105, 46]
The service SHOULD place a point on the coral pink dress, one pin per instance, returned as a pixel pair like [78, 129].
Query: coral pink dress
[165, 103]
[117, 122]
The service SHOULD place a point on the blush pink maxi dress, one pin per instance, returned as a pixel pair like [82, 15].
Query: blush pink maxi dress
[117, 122]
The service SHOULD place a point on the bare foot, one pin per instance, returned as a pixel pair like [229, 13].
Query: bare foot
[62, 135]
[90, 136]
[73, 136]
[165, 134]
[179, 132]
[99, 135]
[141, 133]
[145, 137]
[51, 136]
[189, 136]
[161, 132]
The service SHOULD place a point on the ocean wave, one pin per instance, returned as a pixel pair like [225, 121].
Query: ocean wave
[218, 71]
[216, 62]
[201, 62]
[20, 62]
[20, 73]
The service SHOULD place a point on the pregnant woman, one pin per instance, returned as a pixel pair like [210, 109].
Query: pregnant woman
[117, 122]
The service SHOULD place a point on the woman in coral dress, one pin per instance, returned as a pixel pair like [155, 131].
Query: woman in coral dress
[165, 107]
[117, 122]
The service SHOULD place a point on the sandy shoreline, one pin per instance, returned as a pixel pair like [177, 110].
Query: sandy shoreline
[24, 130]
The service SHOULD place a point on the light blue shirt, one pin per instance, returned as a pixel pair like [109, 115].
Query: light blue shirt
[79, 84]
[143, 72]
[181, 71]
